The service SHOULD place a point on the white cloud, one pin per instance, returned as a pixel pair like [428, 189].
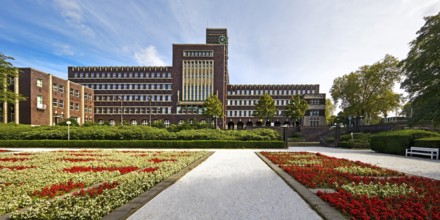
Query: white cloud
[149, 57]
[73, 15]
[63, 50]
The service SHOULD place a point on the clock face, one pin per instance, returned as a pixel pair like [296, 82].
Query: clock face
[222, 39]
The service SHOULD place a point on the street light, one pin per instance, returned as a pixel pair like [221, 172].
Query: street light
[68, 129]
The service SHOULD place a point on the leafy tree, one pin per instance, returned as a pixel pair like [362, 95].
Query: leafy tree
[213, 108]
[329, 110]
[265, 107]
[369, 90]
[406, 110]
[7, 72]
[422, 71]
[296, 109]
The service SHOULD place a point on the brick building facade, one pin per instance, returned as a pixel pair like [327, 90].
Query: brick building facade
[142, 95]
[49, 100]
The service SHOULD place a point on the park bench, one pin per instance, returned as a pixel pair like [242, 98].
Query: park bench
[433, 152]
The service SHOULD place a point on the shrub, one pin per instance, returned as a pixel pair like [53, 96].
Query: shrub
[395, 142]
[433, 142]
[353, 144]
[140, 144]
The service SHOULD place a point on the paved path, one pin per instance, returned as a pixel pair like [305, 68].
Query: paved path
[412, 165]
[231, 184]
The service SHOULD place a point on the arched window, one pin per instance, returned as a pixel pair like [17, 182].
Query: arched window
[100, 122]
[112, 122]
[166, 122]
[144, 122]
[133, 122]
[180, 121]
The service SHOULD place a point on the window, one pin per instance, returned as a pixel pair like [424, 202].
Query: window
[76, 107]
[55, 87]
[86, 96]
[39, 82]
[112, 122]
[133, 122]
[76, 93]
[144, 122]
[166, 123]
[71, 92]
[71, 105]
[55, 102]
[61, 103]
[61, 88]
[40, 102]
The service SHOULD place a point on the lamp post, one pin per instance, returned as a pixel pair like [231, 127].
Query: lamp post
[149, 99]
[122, 120]
[68, 129]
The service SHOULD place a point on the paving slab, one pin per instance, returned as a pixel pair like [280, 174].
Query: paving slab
[231, 184]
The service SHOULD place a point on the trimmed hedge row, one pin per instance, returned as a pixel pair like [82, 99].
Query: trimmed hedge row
[139, 144]
[353, 144]
[395, 142]
[20, 132]
[433, 142]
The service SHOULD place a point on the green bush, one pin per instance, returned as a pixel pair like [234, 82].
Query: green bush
[139, 144]
[433, 142]
[353, 144]
[395, 142]
[99, 132]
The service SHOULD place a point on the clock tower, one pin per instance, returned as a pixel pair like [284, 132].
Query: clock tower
[219, 36]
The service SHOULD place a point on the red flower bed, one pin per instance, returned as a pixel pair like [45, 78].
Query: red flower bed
[320, 171]
[93, 192]
[57, 189]
[88, 155]
[16, 167]
[149, 169]
[157, 160]
[23, 154]
[122, 170]
[1, 151]
[77, 159]
[13, 159]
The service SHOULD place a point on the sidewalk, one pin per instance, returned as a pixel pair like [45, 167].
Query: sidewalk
[231, 184]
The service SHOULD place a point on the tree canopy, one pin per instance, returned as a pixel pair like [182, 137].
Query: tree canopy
[213, 108]
[7, 72]
[296, 109]
[421, 69]
[329, 111]
[265, 107]
[369, 90]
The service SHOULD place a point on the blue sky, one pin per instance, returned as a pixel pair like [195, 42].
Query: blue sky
[270, 42]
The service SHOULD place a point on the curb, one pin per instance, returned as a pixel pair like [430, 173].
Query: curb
[126, 210]
[322, 208]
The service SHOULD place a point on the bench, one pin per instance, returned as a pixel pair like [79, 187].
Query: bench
[433, 152]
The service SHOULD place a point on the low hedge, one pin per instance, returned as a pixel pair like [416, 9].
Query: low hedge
[433, 142]
[395, 142]
[354, 144]
[139, 144]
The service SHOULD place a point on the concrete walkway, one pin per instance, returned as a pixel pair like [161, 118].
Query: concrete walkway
[231, 184]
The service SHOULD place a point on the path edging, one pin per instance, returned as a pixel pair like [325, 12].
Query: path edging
[128, 209]
[322, 208]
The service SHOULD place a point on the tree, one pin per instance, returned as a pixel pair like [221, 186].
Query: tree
[296, 109]
[369, 91]
[7, 72]
[422, 71]
[329, 110]
[265, 107]
[213, 108]
[406, 110]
